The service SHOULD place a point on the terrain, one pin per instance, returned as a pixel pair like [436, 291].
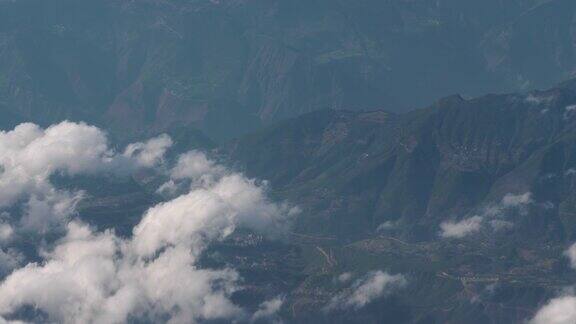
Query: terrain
[376, 187]
[375, 190]
[463, 205]
[228, 67]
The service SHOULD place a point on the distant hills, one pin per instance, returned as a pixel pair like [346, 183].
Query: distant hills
[229, 67]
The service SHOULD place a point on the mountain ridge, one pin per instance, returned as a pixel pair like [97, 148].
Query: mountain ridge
[228, 68]
[480, 146]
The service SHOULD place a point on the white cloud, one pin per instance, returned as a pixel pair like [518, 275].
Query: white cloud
[6, 232]
[80, 270]
[388, 225]
[194, 165]
[570, 253]
[374, 285]
[561, 310]
[30, 155]
[150, 153]
[42, 213]
[536, 99]
[500, 225]
[345, 277]
[103, 282]
[268, 309]
[512, 200]
[168, 189]
[209, 213]
[154, 273]
[462, 228]
[491, 215]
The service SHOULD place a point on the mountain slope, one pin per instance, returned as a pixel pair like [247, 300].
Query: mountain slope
[472, 199]
[227, 67]
[355, 171]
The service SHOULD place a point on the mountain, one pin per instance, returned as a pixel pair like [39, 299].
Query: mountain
[229, 67]
[511, 53]
[356, 170]
[310, 113]
[473, 198]
[470, 200]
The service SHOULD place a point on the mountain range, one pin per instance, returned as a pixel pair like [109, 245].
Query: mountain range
[471, 199]
[307, 163]
[229, 67]
[478, 191]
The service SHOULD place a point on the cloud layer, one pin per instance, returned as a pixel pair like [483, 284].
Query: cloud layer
[30, 156]
[153, 274]
[96, 278]
[561, 310]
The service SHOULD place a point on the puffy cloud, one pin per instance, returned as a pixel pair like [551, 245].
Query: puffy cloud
[194, 165]
[461, 228]
[80, 270]
[561, 310]
[570, 253]
[512, 200]
[268, 309]
[6, 232]
[515, 202]
[30, 156]
[42, 213]
[168, 189]
[374, 285]
[387, 225]
[491, 215]
[150, 153]
[153, 274]
[102, 282]
[345, 277]
[209, 213]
